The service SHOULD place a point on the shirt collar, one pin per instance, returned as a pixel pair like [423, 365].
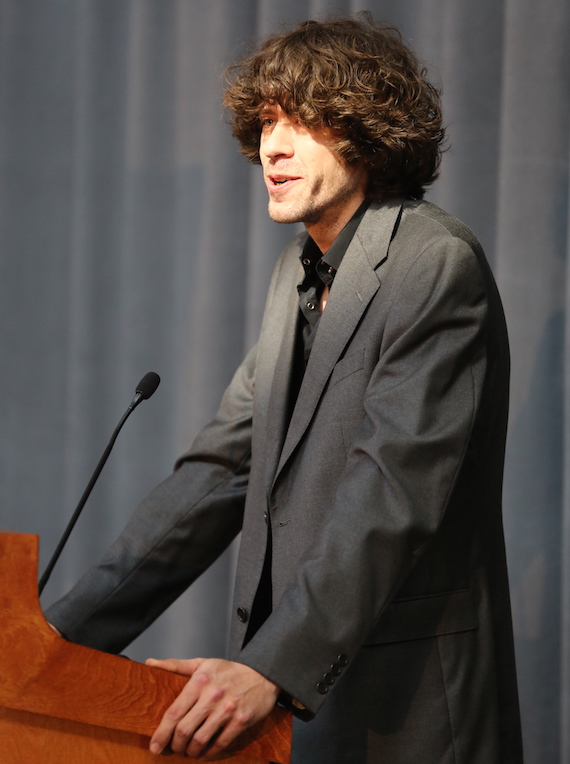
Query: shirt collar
[333, 256]
[311, 256]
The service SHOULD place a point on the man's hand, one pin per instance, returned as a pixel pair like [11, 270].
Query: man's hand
[220, 700]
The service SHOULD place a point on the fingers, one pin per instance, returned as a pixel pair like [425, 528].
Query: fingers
[194, 720]
[226, 735]
[178, 711]
[195, 730]
[219, 701]
[205, 735]
[221, 725]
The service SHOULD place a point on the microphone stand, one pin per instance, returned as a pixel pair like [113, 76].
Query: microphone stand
[145, 389]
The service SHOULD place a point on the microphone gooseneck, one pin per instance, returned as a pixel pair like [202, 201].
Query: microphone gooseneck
[145, 388]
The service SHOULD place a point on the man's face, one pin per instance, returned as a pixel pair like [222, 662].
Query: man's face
[306, 179]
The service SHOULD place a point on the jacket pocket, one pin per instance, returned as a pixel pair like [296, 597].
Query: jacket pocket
[429, 616]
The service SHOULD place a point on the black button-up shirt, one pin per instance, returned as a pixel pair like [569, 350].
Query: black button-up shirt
[320, 271]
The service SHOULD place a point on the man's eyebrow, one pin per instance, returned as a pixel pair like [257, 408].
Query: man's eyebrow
[266, 106]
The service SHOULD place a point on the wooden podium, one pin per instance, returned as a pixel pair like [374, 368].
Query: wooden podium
[62, 703]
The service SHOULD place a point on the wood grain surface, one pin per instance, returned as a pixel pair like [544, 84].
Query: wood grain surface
[63, 703]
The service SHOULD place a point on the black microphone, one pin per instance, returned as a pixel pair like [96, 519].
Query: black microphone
[145, 388]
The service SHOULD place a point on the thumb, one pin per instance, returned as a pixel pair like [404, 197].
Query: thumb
[186, 667]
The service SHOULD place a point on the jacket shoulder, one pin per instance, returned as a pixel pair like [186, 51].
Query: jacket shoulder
[431, 220]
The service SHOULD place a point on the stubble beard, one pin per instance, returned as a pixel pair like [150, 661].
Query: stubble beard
[312, 210]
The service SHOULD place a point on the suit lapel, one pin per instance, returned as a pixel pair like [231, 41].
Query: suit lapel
[355, 285]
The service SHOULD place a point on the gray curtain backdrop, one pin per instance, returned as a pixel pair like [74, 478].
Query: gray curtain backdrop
[134, 238]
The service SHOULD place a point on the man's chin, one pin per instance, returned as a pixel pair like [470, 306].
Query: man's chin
[280, 216]
[281, 213]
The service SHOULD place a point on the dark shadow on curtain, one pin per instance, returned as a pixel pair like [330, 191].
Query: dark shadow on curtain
[533, 492]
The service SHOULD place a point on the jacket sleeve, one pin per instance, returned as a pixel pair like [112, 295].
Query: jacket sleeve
[420, 406]
[172, 536]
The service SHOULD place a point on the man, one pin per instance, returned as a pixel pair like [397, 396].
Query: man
[359, 446]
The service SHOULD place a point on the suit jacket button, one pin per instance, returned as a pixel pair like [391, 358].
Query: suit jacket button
[242, 614]
[329, 678]
[336, 669]
[343, 660]
[322, 688]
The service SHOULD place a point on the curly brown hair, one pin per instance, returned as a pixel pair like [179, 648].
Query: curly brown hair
[361, 80]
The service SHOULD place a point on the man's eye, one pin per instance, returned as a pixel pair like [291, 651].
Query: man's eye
[267, 121]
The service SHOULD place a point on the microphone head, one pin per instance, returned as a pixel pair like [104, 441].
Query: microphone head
[148, 384]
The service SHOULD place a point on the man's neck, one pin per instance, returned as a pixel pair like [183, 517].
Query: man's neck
[325, 231]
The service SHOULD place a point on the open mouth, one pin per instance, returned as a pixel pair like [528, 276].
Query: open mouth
[281, 181]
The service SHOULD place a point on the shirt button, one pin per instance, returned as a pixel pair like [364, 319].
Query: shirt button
[330, 270]
[242, 614]
[306, 261]
[322, 688]
[265, 517]
[311, 305]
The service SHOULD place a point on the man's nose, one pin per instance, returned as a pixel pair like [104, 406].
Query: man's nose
[278, 142]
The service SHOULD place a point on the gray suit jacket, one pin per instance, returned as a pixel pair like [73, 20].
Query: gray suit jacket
[381, 499]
